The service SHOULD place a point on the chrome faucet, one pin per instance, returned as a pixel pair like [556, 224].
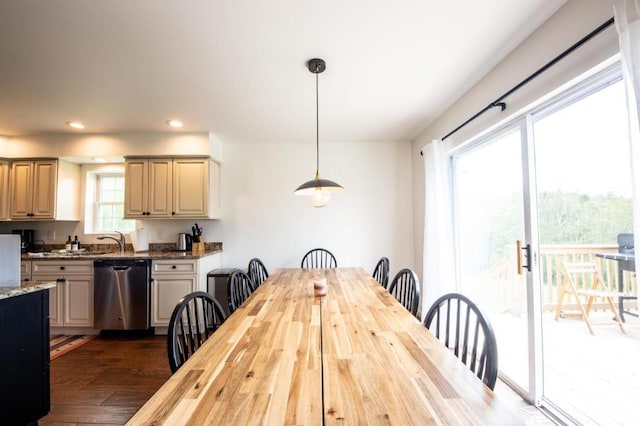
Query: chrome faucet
[121, 241]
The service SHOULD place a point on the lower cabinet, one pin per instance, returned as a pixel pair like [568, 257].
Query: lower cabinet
[24, 350]
[165, 293]
[71, 301]
[171, 280]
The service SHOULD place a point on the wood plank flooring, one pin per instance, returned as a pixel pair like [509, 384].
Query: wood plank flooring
[106, 380]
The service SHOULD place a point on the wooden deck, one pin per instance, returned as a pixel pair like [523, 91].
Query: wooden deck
[595, 378]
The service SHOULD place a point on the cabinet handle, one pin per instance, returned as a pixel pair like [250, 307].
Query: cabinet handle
[173, 213]
[173, 267]
[62, 268]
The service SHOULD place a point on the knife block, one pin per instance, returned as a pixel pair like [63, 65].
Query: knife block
[197, 248]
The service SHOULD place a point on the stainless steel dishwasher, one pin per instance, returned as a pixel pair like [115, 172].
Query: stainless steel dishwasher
[121, 294]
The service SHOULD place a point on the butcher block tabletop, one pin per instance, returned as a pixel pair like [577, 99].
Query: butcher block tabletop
[354, 356]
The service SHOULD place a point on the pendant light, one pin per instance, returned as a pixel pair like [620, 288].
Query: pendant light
[318, 190]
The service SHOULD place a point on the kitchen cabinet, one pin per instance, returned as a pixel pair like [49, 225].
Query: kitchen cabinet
[177, 187]
[171, 280]
[4, 189]
[71, 300]
[25, 271]
[44, 189]
[24, 351]
[148, 188]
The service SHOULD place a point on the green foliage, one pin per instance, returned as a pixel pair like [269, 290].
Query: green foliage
[573, 218]
[564, 218]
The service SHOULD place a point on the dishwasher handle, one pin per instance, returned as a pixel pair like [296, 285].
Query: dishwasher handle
[120, 268]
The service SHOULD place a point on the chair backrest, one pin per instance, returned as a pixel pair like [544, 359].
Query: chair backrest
[404, 288]
[319, 258]
[381, 272]
[257, 271]
[194, 319]
[458, 323]
[625, 243]
[239, 288]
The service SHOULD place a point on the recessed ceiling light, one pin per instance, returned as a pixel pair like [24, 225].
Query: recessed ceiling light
[175, 123]
[75, 124]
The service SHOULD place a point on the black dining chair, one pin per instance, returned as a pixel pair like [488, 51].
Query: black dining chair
[195, 318]
[404, 288]
[257, 271]
[239, 288]
[319, 258]
[381, 272]
[460, 325]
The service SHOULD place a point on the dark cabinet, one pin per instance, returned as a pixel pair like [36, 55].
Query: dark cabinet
[24, 358]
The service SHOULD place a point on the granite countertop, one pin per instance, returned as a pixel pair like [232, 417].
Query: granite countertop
[26, 287]
[157, 252]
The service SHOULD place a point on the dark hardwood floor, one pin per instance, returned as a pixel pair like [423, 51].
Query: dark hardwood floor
[106, 380]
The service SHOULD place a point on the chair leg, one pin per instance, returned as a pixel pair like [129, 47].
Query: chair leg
[585, 314]
[615, 313]
[561, 292]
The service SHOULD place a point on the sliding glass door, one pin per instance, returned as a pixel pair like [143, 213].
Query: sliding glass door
[489, 212]
[591, 368]
[558, 181]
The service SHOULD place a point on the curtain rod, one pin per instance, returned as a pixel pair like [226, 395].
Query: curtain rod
[499, 102]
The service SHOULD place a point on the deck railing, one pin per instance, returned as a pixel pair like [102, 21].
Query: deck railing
[502, 273]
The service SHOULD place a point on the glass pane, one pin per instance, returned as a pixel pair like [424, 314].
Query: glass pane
[107, 183]
[119, 184]
[105, 210]
[489, 219]
[584, 202]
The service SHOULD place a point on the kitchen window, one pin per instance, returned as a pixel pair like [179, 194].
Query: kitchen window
[105, 203]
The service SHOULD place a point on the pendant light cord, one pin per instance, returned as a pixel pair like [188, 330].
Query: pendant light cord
[317, 129]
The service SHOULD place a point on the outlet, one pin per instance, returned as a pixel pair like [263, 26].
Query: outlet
[51, 234]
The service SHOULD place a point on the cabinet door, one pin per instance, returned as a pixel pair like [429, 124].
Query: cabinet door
[78, 301]
[4, 189]
[21, 189]
[56, 299]
[45, 177]
[25, 271]
[190, 187]
[136, 188]
[160, 187]
[166, 291]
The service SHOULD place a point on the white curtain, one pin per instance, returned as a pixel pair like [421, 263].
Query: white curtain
[627, 18]
[438, 265]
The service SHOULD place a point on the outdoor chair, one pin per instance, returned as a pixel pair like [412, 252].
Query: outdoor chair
[588, 271]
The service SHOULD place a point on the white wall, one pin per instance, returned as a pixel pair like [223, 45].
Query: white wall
[569, 24]
[261, 215]
[370, 219]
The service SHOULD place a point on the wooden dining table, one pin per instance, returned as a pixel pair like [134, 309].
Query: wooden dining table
[354, 356]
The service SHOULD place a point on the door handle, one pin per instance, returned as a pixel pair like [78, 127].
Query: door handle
[519, 256]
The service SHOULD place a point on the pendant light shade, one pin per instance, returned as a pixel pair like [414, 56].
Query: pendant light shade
[318, 191]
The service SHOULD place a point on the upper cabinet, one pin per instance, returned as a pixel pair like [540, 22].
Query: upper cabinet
[44, 189]
[4, 189]
[178, 187]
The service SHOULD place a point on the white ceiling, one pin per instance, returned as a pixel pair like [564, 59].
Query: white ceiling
[237, 68]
